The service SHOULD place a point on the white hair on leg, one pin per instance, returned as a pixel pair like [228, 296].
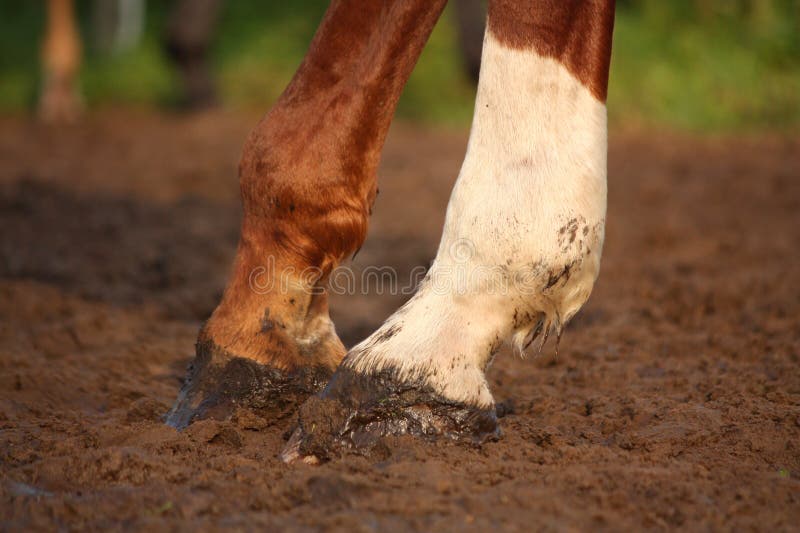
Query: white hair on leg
[523, 235]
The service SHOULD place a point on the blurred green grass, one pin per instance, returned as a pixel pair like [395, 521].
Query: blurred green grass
[707, 65]
[698, 65]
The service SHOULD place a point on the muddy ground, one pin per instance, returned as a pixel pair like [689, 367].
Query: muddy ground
[674, 400]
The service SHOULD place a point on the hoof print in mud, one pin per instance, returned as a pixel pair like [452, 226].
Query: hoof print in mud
[217, 384]
[355, 410]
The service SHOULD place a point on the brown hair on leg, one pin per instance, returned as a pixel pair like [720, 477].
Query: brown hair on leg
[575, 32]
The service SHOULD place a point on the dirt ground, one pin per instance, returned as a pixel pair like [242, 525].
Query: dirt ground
[674, 400]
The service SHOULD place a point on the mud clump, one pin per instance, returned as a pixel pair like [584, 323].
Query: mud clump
[218, 384]
[355, 410]
[321, 424]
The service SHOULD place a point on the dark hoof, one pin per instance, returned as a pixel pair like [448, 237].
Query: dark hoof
[218, 383]
[356, 410]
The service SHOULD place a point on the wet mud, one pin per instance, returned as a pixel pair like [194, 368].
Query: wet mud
[355, 410]
[218, 384]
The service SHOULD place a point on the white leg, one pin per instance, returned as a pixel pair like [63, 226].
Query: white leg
[523, 233]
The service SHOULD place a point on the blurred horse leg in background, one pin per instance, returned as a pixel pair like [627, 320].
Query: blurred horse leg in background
[189, 33]
[470, 25]
[59, 100]
[117, 25]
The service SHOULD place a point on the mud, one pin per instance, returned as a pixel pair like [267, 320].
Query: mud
[674, 400]
[218, 385]
[355, 410]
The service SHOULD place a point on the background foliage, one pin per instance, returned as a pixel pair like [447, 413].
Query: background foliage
[707, 65]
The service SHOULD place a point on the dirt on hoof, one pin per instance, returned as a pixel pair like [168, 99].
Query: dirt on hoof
[356, 410]
[218, 384]
[673, 402]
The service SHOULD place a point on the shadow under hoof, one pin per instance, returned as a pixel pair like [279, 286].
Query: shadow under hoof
[355, 410]
[217, 384]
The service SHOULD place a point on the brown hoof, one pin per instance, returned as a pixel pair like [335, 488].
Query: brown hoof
[218, 383]
[355, 410]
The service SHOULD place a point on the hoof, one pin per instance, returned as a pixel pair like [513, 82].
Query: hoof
[355, 410]
[218, 383]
